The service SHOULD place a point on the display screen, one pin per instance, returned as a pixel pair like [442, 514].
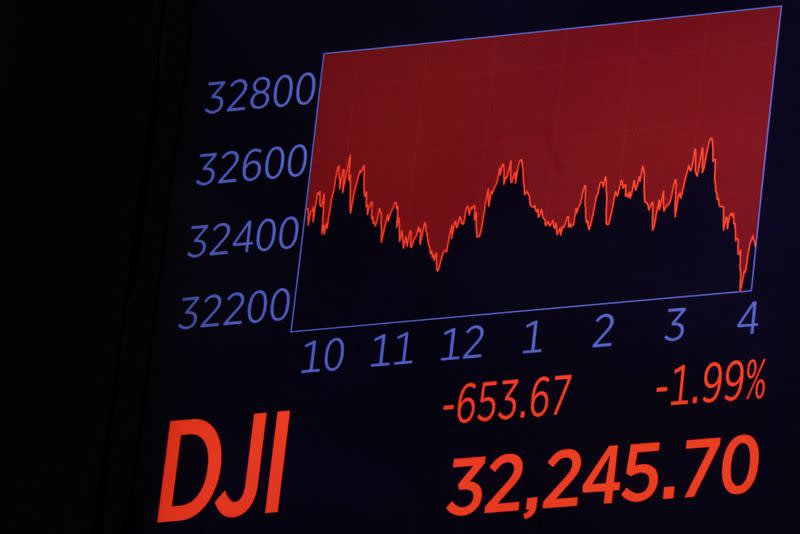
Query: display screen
[457, 268]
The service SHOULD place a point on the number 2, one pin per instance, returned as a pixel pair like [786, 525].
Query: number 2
[232, 106]
[496, 504]
[554, 499]
[599, 343]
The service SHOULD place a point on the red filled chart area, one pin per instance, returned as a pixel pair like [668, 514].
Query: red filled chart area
[419, 138]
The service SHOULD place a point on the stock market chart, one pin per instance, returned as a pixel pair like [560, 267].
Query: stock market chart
[504, 269]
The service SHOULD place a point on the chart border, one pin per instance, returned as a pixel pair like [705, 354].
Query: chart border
[293, 330]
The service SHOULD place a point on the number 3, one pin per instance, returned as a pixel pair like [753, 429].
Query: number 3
[189, 312]
[676, 322]
[215, 96]
[199, 240]
[468, 484]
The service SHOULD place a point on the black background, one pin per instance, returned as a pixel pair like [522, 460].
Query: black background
[96, 109]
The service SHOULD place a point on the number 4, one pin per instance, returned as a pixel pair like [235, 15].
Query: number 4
[749, 314]
[608, 486]
[243, 238]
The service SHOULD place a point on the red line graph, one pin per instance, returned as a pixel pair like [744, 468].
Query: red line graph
[431, 130]
[345, 182]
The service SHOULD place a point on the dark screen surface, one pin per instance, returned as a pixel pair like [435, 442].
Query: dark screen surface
[602, 338]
